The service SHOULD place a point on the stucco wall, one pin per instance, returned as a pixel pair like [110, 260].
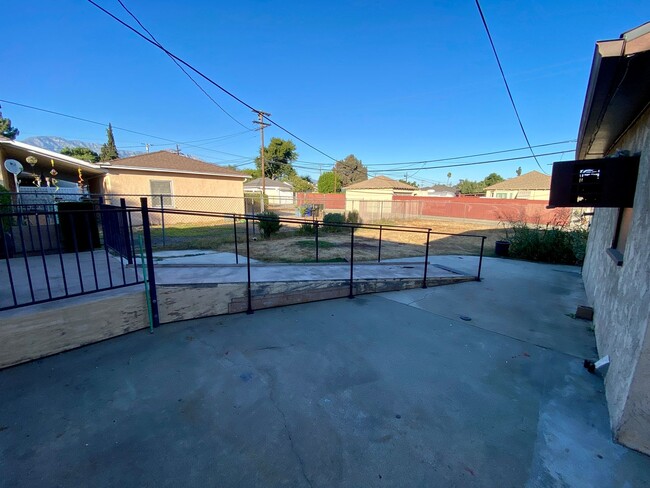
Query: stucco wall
[187, 189]
[621, 299]
[353, 197]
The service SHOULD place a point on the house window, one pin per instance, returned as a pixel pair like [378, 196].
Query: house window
[501, 195]
[623, 226]
[161, 192]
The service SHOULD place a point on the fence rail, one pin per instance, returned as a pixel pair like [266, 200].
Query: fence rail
[76, 248]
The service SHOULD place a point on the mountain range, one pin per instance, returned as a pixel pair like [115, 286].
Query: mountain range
[54, 143]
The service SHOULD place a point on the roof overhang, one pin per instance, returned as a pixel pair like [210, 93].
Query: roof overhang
[108, 168]
[617, 93]
[65, 165]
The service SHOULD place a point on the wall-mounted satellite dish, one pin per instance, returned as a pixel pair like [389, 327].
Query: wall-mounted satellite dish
[13, 166]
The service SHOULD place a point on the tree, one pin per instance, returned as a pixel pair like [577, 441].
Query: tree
[278, 157]
[6, 129]
[300, 183]
[327, 181]
[82, 153]
[518, 171]
[412, 183]
[253, 173]
[350, 170]
[492, 179]
[449, 178]
[109, 150]
[471, 187]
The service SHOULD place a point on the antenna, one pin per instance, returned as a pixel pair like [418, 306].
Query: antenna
[15, 168]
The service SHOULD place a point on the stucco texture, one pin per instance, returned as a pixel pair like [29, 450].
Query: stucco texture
[190, 192]
[621, 299]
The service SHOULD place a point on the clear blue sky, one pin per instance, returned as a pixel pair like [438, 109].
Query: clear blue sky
[386, 81]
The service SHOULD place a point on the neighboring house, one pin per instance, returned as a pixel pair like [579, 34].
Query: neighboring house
[529, 186]
[616, 121]
[277, 192]
[437, 191]
[66, 167]
[373, 198]
[177, 180]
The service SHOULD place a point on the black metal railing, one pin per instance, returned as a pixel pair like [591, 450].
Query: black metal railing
[87, 247]
[251, 221]
[54, 253]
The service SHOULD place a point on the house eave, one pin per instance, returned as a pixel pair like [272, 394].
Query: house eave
[173, 171]
[617, 92]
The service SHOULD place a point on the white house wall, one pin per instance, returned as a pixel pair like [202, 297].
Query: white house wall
[621, 299]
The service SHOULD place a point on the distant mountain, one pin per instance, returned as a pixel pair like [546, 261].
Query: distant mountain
[54, 143]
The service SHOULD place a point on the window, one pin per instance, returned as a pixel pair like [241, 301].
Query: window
[623, 226]
[161, 188]
[501, 195]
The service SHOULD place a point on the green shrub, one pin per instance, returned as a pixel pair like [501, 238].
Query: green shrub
[5, 207]
[333, 218]
[269, 223]
[353, 217]
[306, 229]
[547, 244]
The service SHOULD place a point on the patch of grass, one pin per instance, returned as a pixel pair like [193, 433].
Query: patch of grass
[312, 244]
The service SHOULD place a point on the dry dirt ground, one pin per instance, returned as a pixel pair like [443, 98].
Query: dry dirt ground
[289, 247]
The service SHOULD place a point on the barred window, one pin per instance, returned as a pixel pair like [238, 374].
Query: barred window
[161, 192]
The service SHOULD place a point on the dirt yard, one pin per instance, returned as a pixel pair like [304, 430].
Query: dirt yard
[290, 247]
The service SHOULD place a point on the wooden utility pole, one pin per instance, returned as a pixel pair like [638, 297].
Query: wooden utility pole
[262, 124]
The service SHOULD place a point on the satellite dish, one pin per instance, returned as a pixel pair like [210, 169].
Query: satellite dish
[13, 166]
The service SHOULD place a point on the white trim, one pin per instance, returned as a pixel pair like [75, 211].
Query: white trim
[177, 171]
[51, 154]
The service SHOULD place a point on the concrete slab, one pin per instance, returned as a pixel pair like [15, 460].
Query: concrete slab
[362, 392]
[532, 302]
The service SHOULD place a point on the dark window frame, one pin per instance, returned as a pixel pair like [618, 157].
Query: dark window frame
[617, 249]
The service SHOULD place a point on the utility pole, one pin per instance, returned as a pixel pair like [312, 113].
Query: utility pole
[178, 150]
[262, 124]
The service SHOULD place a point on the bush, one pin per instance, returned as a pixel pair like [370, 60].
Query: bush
[353, 217]
[269, 223]
[306, 229]
[5, 207]
[333, 218]
[547, 244]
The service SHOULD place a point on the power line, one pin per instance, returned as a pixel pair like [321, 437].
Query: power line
[505, 81]
[31, 107]
[179, 66]
[205, 77]
[476, 162]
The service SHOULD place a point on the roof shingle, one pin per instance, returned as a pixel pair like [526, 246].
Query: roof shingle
[529, 181]
[380, 183]
[169, 161]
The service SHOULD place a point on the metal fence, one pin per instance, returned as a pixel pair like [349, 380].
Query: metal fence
[66, 249]
[54, 253]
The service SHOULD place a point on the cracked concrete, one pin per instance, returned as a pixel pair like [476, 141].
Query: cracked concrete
[382, 390]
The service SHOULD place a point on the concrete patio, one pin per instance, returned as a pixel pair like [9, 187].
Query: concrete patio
[475, 384]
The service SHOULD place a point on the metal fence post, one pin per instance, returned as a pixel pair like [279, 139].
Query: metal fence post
[126, 231]
[248, 270]
[316, 230]
[426, 259]
[234, 227]
[480, 259]
[146, 231]
[379, 253]
[162, 219]
[351, 295]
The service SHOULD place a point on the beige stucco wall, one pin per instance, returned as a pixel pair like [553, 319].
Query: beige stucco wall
[353, 197]
[190, 192]
[620, 296]
[3, 171]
